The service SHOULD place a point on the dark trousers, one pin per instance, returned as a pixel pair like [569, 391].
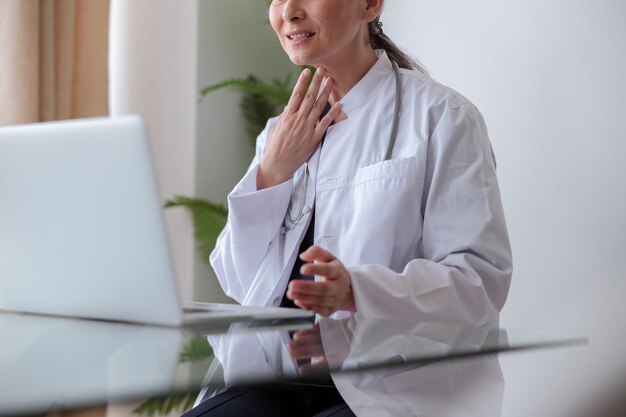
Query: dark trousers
[282, 400]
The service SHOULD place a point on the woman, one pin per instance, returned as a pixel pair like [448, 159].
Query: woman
[418, 235]
[394, 220]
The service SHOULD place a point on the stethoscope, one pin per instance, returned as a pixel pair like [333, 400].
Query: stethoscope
[290, 222]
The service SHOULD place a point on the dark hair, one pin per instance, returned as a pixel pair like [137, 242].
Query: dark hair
[379, 40]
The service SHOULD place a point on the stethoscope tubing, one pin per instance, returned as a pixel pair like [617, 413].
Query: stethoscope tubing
[396, 112]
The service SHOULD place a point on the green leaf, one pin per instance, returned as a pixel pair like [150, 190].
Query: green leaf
[165, 405]
[195, 350]
[148, 408]
[275, 94]
[189, 403]
[171, 403]
[256, 110]
[208, 221]
[259, 101]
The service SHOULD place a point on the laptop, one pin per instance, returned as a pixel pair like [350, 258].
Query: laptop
[82, 232]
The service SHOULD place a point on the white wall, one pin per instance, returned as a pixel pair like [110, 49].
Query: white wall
[153, 72]
[549, 77]
[153, 60]
[235, 40]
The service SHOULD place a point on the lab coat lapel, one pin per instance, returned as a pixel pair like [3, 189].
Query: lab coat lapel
[362, 138]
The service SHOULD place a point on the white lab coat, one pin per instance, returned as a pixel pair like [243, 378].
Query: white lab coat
[359, 353]
[423, 234]
[472, 386]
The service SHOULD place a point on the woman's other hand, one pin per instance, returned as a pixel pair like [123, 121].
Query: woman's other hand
[307, 345]
[331, 293]
[298, 131]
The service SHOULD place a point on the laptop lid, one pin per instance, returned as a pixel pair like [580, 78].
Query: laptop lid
[81, 226]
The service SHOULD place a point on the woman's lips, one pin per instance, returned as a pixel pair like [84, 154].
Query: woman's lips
[298, 38]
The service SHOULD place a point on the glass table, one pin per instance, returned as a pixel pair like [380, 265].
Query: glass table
[48, 364]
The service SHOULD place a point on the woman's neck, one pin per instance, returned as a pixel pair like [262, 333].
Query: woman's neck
[347, 73]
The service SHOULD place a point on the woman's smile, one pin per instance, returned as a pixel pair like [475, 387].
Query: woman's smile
[300, 37]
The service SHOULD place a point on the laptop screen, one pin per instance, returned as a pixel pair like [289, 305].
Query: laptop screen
[82, 232]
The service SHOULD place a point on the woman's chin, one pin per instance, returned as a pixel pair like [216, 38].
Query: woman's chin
[300, 59]
[297, 60]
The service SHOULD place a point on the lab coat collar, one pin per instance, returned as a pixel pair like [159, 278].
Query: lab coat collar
[365, 89]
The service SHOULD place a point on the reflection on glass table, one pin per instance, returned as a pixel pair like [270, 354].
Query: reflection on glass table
[379, 367]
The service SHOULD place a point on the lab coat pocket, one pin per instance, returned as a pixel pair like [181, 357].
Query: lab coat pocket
[471, 387]
[392, 168]
[426, 374]
[327, 242]
[374, 212]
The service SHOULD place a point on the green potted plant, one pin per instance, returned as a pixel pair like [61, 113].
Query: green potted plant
[259, 102]
[195, 350]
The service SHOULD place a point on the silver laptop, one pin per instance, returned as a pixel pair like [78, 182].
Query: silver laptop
[82, 231]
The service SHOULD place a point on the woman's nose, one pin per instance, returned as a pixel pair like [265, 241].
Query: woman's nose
[293, 11]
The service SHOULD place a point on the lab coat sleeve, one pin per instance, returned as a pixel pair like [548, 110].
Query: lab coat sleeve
[254, 219]
[465, 272]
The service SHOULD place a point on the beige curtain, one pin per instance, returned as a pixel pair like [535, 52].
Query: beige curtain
[53, 59]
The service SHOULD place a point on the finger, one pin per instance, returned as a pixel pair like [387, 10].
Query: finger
[303, 305]
[298, 349]
[304, 288]
[314, 300]
[316, 253]
[323, 124]
[328, 270]
[311, 299]
[299, 354]
[318, 367]
[309, 307]
[313, 331]
[310, 99]
[322, 310]
[298, 91]
[304, 351]
[305, 340]
[315, 307]
[322, 101]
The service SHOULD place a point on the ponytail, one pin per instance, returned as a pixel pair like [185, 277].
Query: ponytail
[380, 40]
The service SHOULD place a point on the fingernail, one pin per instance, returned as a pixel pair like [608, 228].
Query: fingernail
[320, 71]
